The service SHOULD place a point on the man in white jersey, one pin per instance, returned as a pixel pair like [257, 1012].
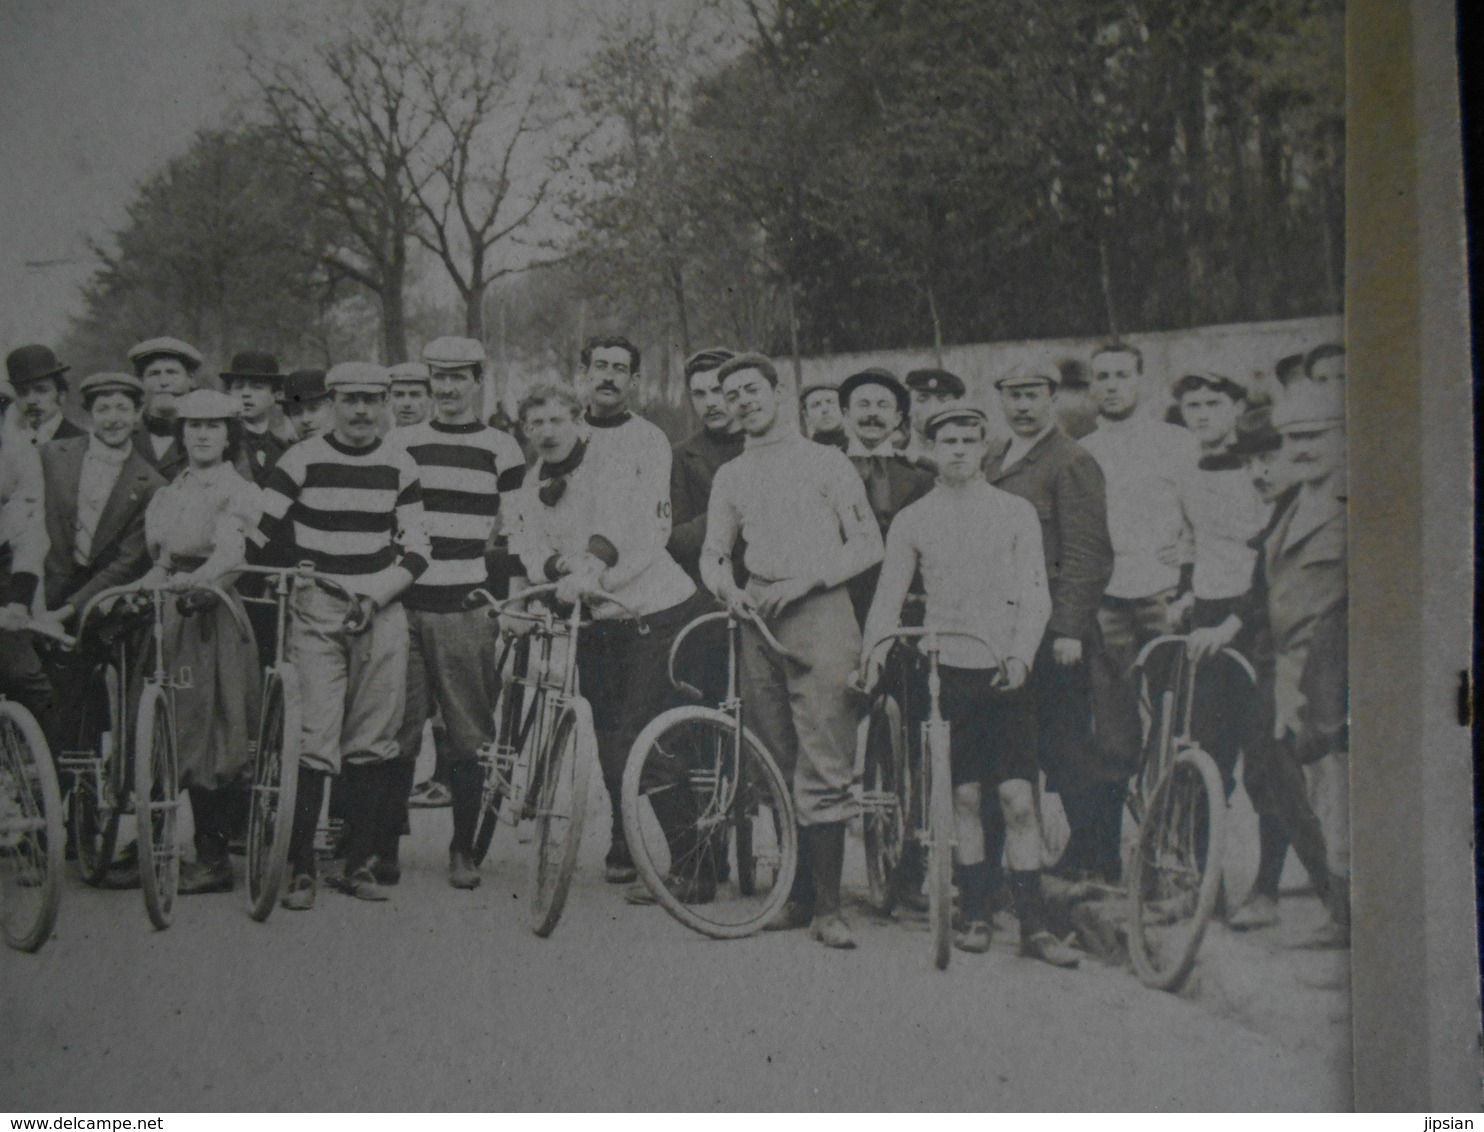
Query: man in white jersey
[983, 570]
[1147, 465]
[593, 520]
[802, 512]
[451, 655]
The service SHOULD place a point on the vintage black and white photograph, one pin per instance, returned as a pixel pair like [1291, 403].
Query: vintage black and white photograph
[674, 554]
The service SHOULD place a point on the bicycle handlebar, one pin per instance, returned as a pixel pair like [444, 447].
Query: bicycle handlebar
[50, 632]
[303, 572]
[155, 593]
[727, 615]
[1181, 639]
[909, 632]
[498, 608]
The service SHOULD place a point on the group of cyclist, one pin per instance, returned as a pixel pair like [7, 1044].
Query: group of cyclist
[1062, 556]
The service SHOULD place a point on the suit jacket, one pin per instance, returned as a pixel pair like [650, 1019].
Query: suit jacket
[118, 551]
[906, 484]
[167, 465]
[1065, 485]
[65, 431]
[693, 465]
[257, 455]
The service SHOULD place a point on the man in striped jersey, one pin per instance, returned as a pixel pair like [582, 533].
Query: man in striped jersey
[352, 506]
[451, 656]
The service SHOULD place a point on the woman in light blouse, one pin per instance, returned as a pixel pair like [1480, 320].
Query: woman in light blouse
[196, 530]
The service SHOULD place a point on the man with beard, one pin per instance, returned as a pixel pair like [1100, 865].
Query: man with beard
[1044, 466]
[596, 521]
[876, 405]
[1148, 466]
[694, 461]
[37, 378]
[451, 658]
[823, 422]
[801, 510]
[167, 367]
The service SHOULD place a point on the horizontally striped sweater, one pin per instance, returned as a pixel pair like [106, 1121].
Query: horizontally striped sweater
[459, 466]
[355, 513]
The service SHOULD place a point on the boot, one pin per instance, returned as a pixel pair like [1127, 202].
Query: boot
[827, 847]
[212, 869]
[308, 800]
[466, 781]
[798, 910]
[1036, 940]
[363, 787]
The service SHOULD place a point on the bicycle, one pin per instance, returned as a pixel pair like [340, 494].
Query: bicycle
[138, 765]
[699, 789]
[1178, 800]
[544, 747]
[906, 799]
[32, 837]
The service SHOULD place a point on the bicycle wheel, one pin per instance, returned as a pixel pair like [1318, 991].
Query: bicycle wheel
[275, 785]
[31, 835]
[939, 842]
[885, 800]
[1176, 870]
[98, 791]
[561, 804]
[696, 787]
[157, 805]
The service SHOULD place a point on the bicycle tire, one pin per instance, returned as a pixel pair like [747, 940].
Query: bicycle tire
[567, 765]
[506, 714]
[939, 843]
[157, 805]
[96, 802]
[731, 780]
[275, 788]
[885, 801]
[31, 831]
[1168, 914]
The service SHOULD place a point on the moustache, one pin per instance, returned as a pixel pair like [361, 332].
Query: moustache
[876, 422]
[607, 386]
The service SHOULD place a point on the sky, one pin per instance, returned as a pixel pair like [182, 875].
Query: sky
[95, 95]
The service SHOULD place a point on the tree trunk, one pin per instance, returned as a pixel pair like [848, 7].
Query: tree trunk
[932, 303]
[1105, 279]
[474, 312]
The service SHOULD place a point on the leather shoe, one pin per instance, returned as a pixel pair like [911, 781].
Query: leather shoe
[461, 871]
[1257, 911]
[1047, 948]
[832, 931]
[361, 884]
[387, 873]
[973, 938]
[206, 876]
[300, 896]
[793, 915]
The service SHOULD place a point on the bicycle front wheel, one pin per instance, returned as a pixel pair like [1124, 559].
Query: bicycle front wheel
[157, 805]
[1176, 870]
[885, 800]
[98, 790]
[275, 786]
[561, 804]
[31, 837]
[696, 789]
[939, 843]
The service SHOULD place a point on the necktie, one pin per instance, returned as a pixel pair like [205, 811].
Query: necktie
[878, 487]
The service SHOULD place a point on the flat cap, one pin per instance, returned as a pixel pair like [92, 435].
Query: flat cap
[818, 387]
[759, 362]
[1030, 373]
[712, 357]
[303, 387]
[1205, 379]
[99, 383]
[358, 377]
[959, 413]
[26, 364]
[450, 352]
[206, 405]
[413, 373]
[145, 352]
[875, 375]
[254, 365]
[1255, 434]
[1306, 407]
[938, 382]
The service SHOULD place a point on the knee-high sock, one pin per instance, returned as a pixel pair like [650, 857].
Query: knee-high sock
[466, 783]
[393, 817]
[1025, 886]
[1272, 841]
[827, 850]
[307, 803]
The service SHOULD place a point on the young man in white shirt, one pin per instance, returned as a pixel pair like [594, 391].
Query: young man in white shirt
[983, 569]
[802, 513]
[1147, 465]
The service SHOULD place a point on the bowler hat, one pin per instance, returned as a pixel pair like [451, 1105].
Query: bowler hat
[938, 382]
[26, 364]
[145, 352]
[877, 376]
[303, 387]
[254, 365]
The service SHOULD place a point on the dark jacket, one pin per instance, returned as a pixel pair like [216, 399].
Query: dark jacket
[167, 465]
[118, 554]
[257, 455]
[693, 466]
[906, 484]
[1065, 485]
